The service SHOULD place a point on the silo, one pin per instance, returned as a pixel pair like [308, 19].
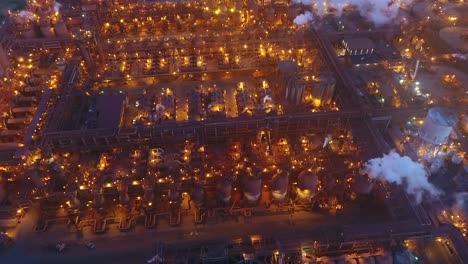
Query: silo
[61, 29]
[252, 187]
[289, 83]
[306, 184]
[197, 195]
[225, 190]
[279, 186]
[437, 126]
[362, 184]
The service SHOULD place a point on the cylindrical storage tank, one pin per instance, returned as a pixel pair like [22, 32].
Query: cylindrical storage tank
[279, 186]
[362, 184]
[46, 28]
[61, 29]
[98, 198]
[457, 159]
[74, 202]
[438, 125]
[306, 184]
[123, 193]
[435, 166]
[385, 258]
[197, 195]
[252, 187]
[174, 195]
[225, 190]
[270, 13]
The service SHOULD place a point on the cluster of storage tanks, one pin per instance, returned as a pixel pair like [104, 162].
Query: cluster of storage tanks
[46, 24]
[252, 184]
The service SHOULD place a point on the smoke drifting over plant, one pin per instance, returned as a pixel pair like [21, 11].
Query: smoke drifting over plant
[378, 11]
[303, 19]
[403, 171]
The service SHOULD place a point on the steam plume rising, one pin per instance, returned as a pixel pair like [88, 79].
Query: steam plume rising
[402, 170]
[57, 6]
[302, 19]
[461, 201]
[378, 11]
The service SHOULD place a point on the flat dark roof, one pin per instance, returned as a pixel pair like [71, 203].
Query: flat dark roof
[359, 43]
[109, 107]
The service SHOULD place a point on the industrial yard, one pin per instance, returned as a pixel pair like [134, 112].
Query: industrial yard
[233, 132]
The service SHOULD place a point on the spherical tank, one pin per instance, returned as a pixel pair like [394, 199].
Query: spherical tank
[61, 29]
[280, 183]
[225, 190]
[438, 125]
[362, 184]
[197, 195]
[306, 184]
[252, 187]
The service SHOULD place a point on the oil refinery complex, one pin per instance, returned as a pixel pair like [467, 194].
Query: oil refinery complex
[223, 131]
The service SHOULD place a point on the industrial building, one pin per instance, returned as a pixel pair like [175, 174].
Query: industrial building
[210, 121]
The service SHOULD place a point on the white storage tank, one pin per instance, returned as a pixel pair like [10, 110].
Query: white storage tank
[225, 190]
[252, 187]
[279, 187]
[438, 125]
[306, 184]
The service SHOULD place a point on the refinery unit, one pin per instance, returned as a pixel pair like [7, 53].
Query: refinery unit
[123, 116]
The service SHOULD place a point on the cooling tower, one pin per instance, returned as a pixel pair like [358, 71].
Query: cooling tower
[252, 187]
[437, 126]
[306, 184]
[279, 186]
[225, 190]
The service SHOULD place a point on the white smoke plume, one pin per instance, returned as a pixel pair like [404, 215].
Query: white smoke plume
[461, 202]
[378, 11]
[57, 6]
[403, 171]
[303, 19]
[27, 15]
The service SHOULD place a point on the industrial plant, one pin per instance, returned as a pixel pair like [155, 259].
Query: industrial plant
[224, 131]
